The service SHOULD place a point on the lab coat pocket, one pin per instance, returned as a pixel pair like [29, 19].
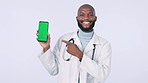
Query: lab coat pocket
[91, 54]
[90, 78]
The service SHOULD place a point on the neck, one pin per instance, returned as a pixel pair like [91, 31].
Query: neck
[85, 37]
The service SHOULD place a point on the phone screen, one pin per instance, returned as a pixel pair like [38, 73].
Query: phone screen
[43, 31]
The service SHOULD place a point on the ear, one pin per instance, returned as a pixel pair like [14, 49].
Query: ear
[95, 18]
[76, 17]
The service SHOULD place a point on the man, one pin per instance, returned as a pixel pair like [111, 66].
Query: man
[79, 57]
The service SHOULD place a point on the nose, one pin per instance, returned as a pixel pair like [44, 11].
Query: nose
[86, 17]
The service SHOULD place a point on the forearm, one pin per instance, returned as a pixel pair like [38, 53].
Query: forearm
[45, 49]
[49, 62]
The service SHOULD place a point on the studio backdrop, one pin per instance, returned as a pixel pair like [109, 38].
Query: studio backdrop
[124, 23]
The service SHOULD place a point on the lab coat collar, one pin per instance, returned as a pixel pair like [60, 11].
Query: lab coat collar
[95, 40]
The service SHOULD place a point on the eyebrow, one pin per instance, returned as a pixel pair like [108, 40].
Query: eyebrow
[90, 12]
[81, 11]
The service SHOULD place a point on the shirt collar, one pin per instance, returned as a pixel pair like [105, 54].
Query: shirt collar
[85, 35]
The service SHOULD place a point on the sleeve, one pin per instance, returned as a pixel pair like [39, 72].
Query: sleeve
[101, 68]
[49, 59]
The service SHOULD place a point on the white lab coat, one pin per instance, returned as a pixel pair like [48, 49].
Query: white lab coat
[91, 71]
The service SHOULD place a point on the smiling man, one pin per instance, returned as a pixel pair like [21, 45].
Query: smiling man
[81, 56]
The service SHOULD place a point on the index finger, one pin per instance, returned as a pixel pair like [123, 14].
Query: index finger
[66, 42]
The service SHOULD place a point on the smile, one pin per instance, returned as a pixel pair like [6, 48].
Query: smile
[86, 22]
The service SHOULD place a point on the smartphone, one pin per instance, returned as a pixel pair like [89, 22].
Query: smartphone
[43, 31]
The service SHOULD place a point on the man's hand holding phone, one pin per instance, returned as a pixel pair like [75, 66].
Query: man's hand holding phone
[42, 35]
[45, 45]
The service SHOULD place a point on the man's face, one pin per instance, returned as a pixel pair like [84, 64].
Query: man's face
[86, 18]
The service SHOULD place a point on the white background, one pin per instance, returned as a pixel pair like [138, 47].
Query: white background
[122, 22]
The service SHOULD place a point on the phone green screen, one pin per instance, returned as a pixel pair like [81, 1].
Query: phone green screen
[43, 31]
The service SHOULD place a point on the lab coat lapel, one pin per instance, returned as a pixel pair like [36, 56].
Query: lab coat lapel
[76, 40]
[90, 45]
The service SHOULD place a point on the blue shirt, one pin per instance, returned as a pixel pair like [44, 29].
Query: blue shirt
[84, 37]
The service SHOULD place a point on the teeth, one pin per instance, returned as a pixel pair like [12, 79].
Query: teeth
[86, 22]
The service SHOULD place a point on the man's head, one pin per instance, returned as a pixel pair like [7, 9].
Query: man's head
[86, 17]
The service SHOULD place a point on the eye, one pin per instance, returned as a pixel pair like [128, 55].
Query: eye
[81, 14]
[91, 14]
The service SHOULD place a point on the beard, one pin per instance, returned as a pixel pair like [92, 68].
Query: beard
[86, 29]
